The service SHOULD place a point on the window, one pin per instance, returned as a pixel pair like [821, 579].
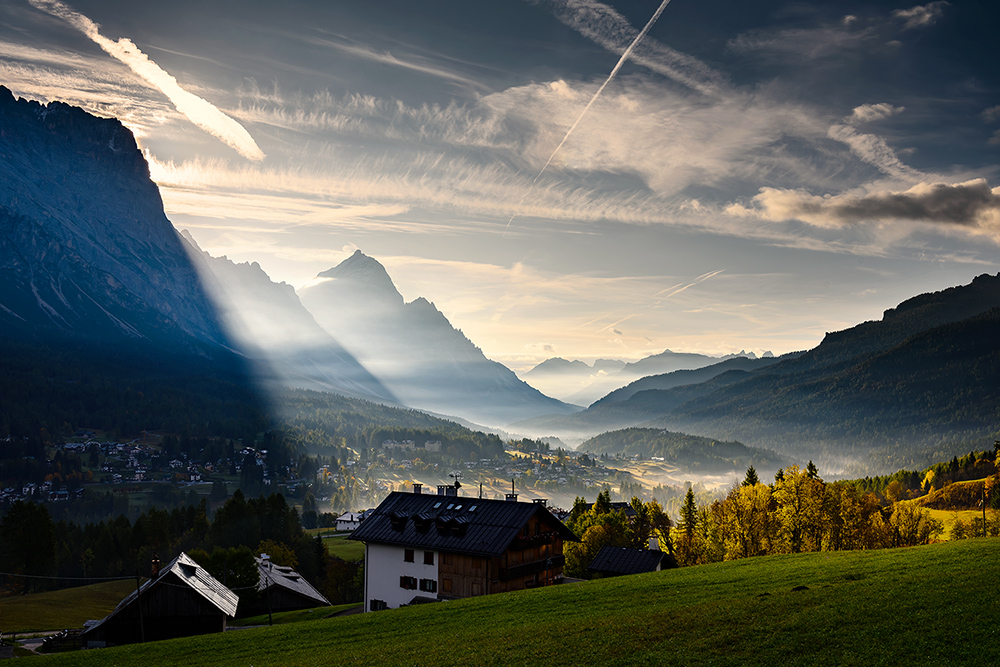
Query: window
[428, 585]
[446, 558]
[446, 585]
[437, 505]
[409, 583]
[538, 529]
[458, 507]
[473, 508]
[407, 555]
[377, 605]
[524, 531]
[428, 558]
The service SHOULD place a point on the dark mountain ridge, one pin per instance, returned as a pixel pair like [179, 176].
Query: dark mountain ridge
[918, 385]
[85, 248]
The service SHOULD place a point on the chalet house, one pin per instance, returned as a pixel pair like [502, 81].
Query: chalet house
[349, 520]
[179, 600]
[281, 589]
[424, 547]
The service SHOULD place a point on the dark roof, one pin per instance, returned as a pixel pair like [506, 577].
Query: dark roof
[623, 560]
[287, 578]
[458, 524]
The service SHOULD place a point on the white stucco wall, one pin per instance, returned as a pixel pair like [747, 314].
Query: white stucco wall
[384, 565]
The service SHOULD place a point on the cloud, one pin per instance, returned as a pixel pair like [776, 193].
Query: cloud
[874, 150]
[803, 43]
[867, 113]
[612, 31]
[972, 205]
[921, 15]
[199, 111]
[412, 63]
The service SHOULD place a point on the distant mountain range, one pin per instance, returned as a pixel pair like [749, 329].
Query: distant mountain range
[913, 387]
[580, 383]
[414, 350]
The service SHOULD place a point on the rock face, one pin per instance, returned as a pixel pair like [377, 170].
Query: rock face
[414, 349]
[85, 248]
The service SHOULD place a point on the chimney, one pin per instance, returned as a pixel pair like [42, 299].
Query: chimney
[544, 502]
[155, 567]
[442, 490]
[265, 560]
[654, 544]
[418, 488]
[512, 497]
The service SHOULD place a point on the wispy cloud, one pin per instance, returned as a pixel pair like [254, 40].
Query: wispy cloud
[408, 62]
[199, 111]
[921, 15]
[867, 113]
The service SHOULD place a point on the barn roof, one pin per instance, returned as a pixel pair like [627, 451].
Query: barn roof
[185, 570]
[288, 579]
[457, 524]
[623, 560]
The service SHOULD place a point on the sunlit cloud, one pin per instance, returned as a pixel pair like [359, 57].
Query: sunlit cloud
[199, 111]
[921, 15]
[971, 205]
[867, 113]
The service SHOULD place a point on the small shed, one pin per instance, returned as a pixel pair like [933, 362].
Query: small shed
[179, 600]
[282, 589]
[614, 561]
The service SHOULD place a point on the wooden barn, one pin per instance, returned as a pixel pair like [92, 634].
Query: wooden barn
[179, 600]
[281, 589]
[422, 547]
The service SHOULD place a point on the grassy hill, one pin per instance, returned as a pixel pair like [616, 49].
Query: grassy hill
[919, 606]
[58, 610]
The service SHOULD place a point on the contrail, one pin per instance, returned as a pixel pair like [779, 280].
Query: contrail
[199, 111]
[618, 66]
[680, 287]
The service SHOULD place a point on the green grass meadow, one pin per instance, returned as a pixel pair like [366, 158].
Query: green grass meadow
[338, 545]
[59, 610]
[930, 605]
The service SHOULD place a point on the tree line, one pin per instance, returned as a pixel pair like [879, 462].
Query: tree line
[37, 553]
[798, 512]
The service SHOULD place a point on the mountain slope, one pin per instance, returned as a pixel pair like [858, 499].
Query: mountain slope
[269, 323]
[685, 377]
[414, 350]
[85, 249]
[918, 385]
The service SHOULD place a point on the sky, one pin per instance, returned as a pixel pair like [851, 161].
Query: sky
[753, 175]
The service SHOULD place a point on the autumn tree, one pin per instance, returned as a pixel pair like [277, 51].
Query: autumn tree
[745, 521]
[799, 498]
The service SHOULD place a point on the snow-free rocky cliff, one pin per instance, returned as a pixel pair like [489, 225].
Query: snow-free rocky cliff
[85, 248]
